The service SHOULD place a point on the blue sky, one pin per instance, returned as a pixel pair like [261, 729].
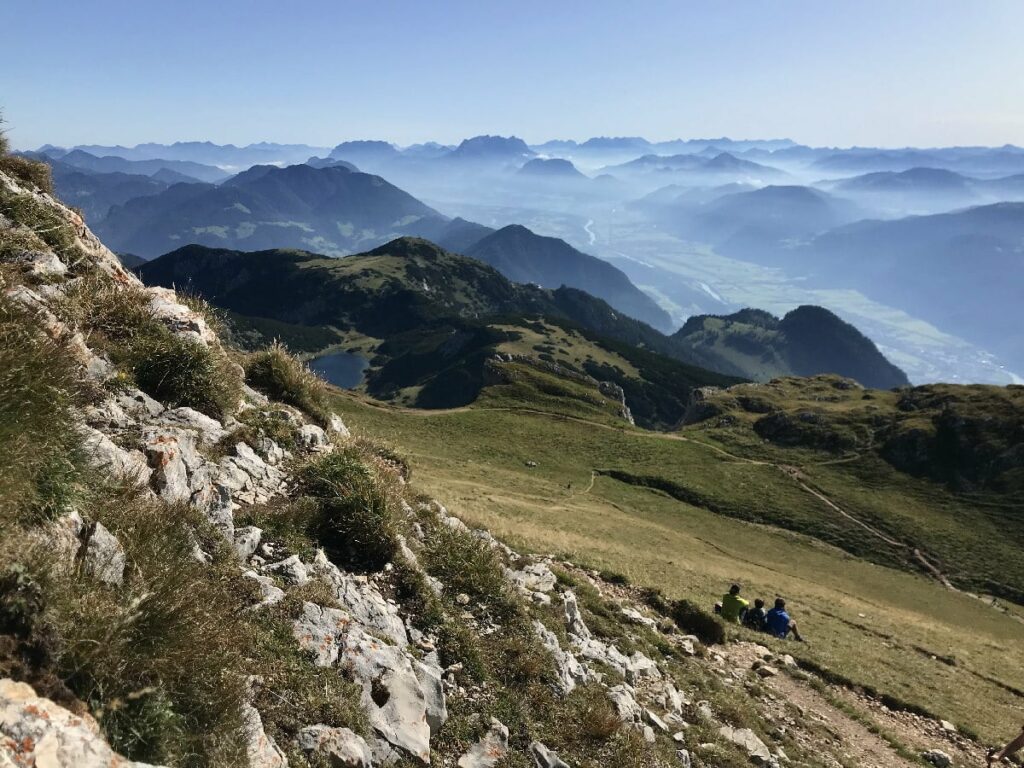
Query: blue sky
[894, 73]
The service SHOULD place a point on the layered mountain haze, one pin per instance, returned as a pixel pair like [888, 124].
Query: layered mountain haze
[334, 210]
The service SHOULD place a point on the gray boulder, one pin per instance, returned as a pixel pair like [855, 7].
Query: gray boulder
[392, 696]
[544, 757]
[341, 747]
[748, 741]
[489, 750]
[430, 679]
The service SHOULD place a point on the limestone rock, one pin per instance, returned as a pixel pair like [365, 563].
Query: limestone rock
[92, 546]
[163, 303]
[746, 739]
[291, 569]
[535, 577]
[208, 431]
[392, 696]
[636, 617]
[319, 630]
[362, 600]
[640, 667]
[624, 701]
[337, 426]
[570, 671]
[544, 757]
[312, 438]
[573, 620]
[489, 750]
[36, 732]
[429, 675]
[270, 593]
[341, 747]
[247, 538]
[103, 454]
[261, 749]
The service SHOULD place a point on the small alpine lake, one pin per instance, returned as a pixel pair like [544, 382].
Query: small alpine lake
[342, 369]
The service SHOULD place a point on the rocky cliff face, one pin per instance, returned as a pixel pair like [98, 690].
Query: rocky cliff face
[234, 580]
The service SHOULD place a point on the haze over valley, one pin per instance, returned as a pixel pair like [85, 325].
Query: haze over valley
[908, 245]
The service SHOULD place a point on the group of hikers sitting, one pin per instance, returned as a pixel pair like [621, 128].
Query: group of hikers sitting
[776, 622]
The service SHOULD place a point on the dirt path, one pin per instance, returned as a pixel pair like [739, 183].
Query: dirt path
[852, 729]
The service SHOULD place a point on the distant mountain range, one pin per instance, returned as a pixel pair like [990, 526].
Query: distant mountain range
[334, 210]
[429, 303]
[698, 168]
[807, 341]
[747, 224]
[187, 170]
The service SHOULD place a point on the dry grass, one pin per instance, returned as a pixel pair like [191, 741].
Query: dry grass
[39, 386]
[31, 172]
[281, 376]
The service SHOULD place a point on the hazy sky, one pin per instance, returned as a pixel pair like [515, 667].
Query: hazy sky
[892, 73]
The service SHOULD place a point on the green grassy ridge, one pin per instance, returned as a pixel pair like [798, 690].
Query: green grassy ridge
[806, 341]
[436, 315]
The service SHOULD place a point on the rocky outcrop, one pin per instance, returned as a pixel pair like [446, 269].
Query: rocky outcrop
[36, 732]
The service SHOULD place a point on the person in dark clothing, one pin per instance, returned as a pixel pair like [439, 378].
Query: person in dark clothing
[756, 616]
[777, 622]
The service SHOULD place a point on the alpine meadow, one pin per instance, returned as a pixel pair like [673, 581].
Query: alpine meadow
[572, 386]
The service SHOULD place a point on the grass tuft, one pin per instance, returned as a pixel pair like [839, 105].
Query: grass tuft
[281, 376]
[38, 447]
[32, 172]
[357, 522]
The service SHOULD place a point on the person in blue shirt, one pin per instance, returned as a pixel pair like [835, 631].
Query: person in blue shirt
[777, 622]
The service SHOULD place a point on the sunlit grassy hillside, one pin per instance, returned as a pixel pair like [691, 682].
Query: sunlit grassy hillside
[880, 624]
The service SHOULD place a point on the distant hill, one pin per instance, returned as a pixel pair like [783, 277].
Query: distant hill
[334, 210]
[960, 271]
[746, 224]
[805, 342]
[526, 257]
[551, 168]
[914, 179]
[458, 235]
[695, 168]
[492, 149]
[368, 153]
[226, 156]
[112, 164]
[441, 317]
[330, 162]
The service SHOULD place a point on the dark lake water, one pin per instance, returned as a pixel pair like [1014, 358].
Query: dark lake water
[342, 369]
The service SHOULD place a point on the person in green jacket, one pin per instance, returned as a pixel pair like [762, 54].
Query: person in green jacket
[734, 607]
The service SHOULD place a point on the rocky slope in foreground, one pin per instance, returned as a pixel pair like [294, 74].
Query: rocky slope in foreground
[203, 567]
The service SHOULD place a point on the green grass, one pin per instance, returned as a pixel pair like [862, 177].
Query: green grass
[278, 374]
[38, 447]
[474, 461]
